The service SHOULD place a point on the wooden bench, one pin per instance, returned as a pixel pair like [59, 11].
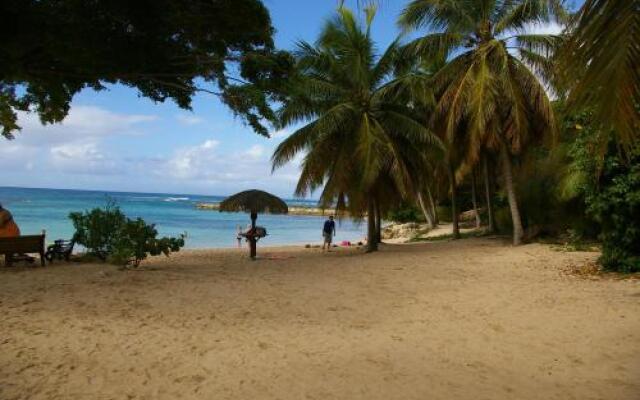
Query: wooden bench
[22, 244]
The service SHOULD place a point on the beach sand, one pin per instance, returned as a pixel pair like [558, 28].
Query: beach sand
[473, 319]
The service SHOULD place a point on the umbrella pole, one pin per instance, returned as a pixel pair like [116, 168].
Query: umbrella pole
[252, 239]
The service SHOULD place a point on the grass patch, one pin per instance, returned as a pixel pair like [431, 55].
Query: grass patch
[571, 241]
[581, 246]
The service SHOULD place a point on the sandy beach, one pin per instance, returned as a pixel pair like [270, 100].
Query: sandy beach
[473, 319]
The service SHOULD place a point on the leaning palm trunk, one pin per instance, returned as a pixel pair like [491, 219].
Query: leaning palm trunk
[488, 196]
[474, 197]
[454, 206]
[432, 205]
[427, 213]
[372, 243]
[511, 194]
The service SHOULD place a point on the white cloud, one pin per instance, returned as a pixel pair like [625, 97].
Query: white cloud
[84, 151]
[255, 152]
[81, 153]
[210, 144]
[83, 122]
[71, 147]
[84, 158]
[188, 119]
[15, 157]
[208, 164]
[189, 162]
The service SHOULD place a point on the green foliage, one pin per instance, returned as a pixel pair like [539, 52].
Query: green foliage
[550, 182]
[601, 57]
[610, 183]
[52, 49]
[136, 240]
[573, 240]
[489, 97]
[97, 230]
[486, 94]
[502, 216]
[109, 235]
[444, 213]
[354, 133]
[405, 213]
[614, 201]
[361, 144]
[545, 204]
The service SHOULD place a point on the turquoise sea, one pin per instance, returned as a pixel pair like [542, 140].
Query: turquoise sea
[38, 209]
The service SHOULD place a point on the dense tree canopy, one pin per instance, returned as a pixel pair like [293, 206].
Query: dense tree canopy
[488, 99]
[52, 49]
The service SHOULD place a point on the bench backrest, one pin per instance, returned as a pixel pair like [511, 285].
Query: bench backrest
[22, 244]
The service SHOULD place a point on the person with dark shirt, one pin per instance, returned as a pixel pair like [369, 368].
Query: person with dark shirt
[328, 232]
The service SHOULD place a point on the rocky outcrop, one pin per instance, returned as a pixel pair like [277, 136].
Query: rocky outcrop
[403, 231]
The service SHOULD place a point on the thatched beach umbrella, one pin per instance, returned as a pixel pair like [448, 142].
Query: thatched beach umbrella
[254, 202]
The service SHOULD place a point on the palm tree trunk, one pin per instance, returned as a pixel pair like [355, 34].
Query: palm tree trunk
[372, 244]
[474, 197]
[432, 205]
[454, 206]
[427, 214]
[511, 194]
[378, 223]
[252, 238]
[488, 196]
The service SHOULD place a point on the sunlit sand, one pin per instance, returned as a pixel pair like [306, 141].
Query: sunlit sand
[473, 319]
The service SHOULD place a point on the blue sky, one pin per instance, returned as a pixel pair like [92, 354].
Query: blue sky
[115, 140]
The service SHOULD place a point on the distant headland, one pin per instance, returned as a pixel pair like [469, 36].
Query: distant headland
[293, 210]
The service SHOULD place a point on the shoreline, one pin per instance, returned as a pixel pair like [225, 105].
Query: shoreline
[275, 246]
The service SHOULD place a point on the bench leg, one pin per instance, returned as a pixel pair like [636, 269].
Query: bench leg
[42, 259]
[8, 260]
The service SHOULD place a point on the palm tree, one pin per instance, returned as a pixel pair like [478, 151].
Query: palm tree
[355, 136]
[489, 100]
[603, 53]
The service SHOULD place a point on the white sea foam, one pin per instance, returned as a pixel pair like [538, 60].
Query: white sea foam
[172, 199]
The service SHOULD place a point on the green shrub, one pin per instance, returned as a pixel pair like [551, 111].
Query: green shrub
[503, 221]
[405, 213]
[610, 184]
[108, 234]
[136, 240]
[97, 230]
[615, 203]
[444, 213]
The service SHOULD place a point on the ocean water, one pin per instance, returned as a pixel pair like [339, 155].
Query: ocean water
[173, 214]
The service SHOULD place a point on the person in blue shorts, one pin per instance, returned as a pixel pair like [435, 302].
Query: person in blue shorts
[328, 232]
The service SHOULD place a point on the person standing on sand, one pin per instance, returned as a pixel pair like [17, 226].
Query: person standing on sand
[8, 228]
[328, 232]
[239, 233]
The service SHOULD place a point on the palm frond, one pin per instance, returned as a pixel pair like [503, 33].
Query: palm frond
[518, 15]
[602, 56]
[433, 46]
[439, 15]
